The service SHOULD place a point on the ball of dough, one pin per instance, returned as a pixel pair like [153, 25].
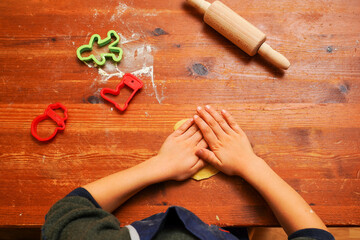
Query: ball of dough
[179, 123]
[206, 172]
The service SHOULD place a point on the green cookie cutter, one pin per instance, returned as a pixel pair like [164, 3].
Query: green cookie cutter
[112, 48]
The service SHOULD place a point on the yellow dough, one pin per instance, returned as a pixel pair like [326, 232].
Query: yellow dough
[179, 123]
[206, 172]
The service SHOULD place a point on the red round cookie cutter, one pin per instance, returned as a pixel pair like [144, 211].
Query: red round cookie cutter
[50, 113]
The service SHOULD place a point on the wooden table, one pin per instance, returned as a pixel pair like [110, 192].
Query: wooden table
[304, 122]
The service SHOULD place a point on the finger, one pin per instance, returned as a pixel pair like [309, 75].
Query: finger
[191, 131]
[198, 166]
[206, 131]
[210, 121]
[196, 138]
[231, 121]
[185, 126]
[208, 156]
[218, 118]
[202, 144]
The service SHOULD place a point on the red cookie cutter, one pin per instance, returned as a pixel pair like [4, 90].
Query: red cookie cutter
[50, 113]
[128, 80]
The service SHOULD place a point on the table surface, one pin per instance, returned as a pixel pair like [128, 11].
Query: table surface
[305, 122]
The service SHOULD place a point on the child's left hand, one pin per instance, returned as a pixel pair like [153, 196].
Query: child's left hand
[176, 159]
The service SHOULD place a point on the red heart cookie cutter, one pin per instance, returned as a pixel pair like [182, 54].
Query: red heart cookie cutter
[128, 80]
[50, 113]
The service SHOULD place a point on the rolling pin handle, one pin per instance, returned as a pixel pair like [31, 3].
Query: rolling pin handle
[200, 5]
[274, 57]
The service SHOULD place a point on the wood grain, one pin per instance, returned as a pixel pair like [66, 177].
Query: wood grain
[304, 122]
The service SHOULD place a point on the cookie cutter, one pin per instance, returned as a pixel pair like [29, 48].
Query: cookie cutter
[128, 80]
[112, 48]
[50, 113]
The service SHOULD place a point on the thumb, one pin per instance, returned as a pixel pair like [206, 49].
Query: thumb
[207, 156]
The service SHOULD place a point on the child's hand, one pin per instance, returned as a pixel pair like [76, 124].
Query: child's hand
[176, 157]
[231, 151]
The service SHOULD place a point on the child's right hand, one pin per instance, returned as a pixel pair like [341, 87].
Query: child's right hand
[231, 151]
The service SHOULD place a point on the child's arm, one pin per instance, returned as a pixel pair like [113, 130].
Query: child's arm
[232, 154]
[176, 160]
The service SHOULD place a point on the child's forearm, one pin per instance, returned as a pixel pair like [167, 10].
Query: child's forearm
[176, 160]
[231, 152]
[112, 191]
[291, 210]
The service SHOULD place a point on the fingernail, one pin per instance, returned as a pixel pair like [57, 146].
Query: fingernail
[196, 116]
[207, 106]
[198, 108]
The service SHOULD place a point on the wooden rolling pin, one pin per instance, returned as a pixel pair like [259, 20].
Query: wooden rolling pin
[239, 31]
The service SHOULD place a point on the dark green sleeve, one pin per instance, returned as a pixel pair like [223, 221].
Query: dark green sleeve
[311, 234]
[77, 218]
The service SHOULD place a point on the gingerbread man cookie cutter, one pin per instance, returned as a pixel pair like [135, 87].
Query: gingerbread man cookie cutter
[115, 52]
